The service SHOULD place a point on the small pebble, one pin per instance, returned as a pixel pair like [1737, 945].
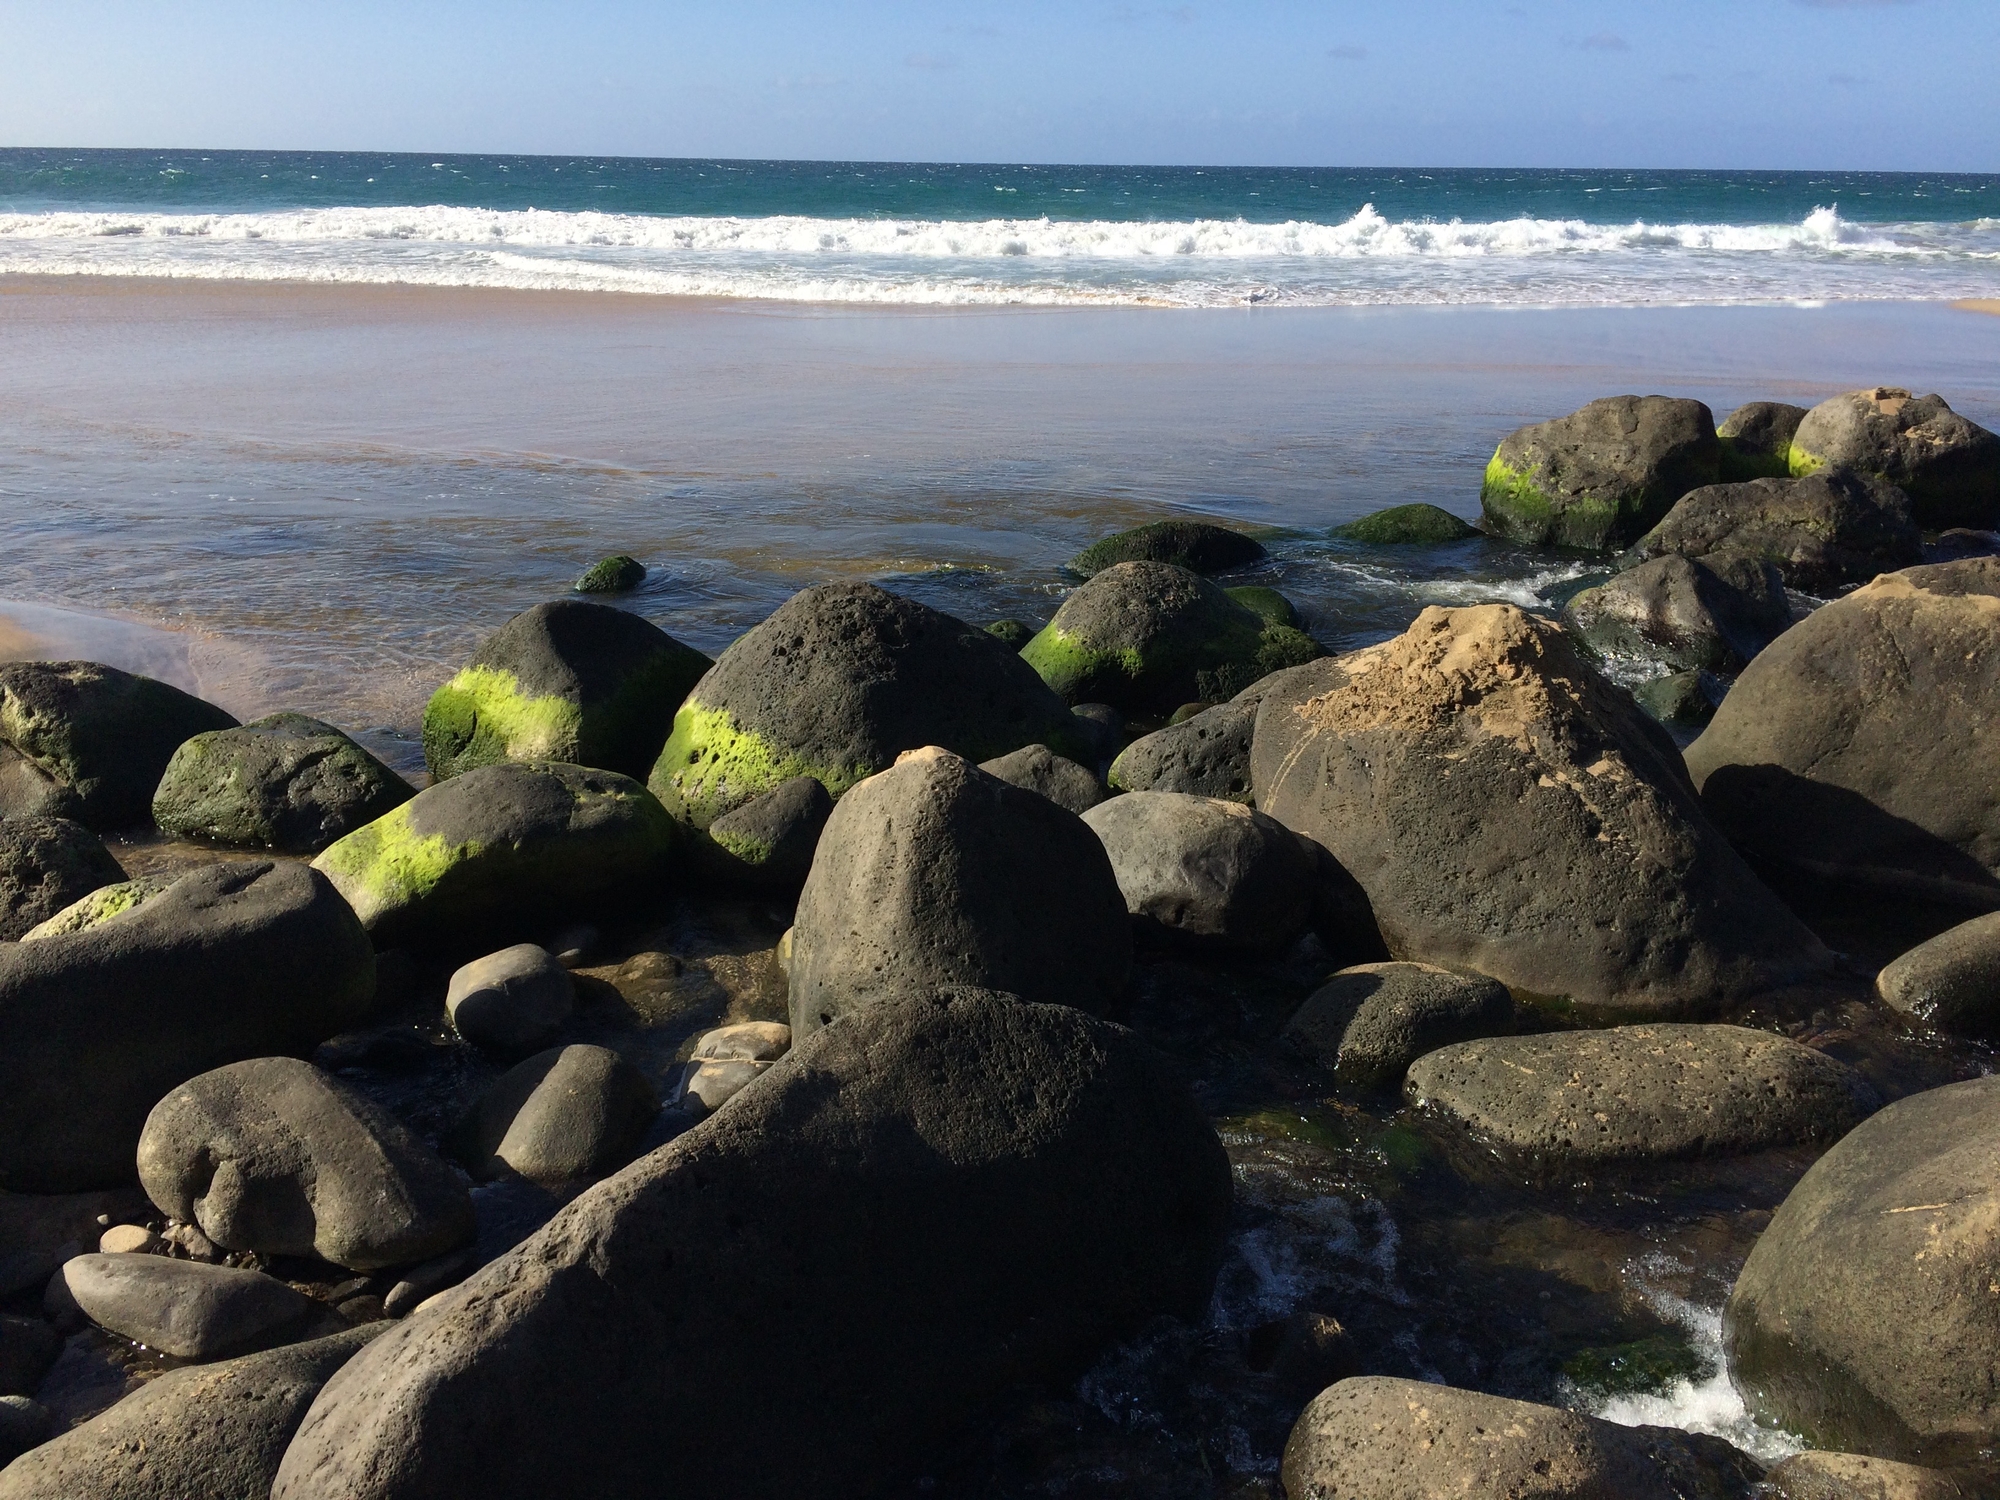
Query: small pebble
[130, 1239]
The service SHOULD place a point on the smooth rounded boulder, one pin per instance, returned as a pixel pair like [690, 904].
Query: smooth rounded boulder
[1407, 526]
[1712, 613]
[1205, 756]
[285, 782]
[570, 1114]
[46, 864]
[837, 683]
[1756, 440]
[572, 681]
[926, 1204]
[107, 735]
[616, 574]
[1601, 476]
[513, 1001]
[1371, 1021]
[1509, 811]
[182, 1307]
[935, 873]
[1858, 746]
[1865, 1318]
[501, 845]
[275, 1156]
[1952, 981]
[1202, 873]
[237, 960]
[768, 842]
[1038, 769]
[1198, 546]
[1948, 466]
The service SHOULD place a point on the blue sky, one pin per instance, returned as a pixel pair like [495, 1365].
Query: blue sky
[1888, 84]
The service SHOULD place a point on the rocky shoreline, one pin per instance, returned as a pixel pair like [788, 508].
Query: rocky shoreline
[1137, 1052]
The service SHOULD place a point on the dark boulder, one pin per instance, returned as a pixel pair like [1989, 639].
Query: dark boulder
[1951, 982]
[286, 782]
[1949, 467]
[28, 1346]
[513, 1002]
[24, 1425]
[929, 1203]
[181, 1307]
[1855, 1476]
[1205, 756]
[28, 791]
[1010, 633]
[572, 681]
[231, 961]
[1038, 769]
[570, 1114]
[45, 865]
[1507, 810]
[768, 842]
[1198, 546]
[1407, 525]
[1823, 533]
[1600, 477]
[616, 574]
[1961, 542]
[1685, 700]
[105, 734]
[1713, 612]
[935, 873]
[1268, 605]
[39, 1231]
[1756, 440]
[1370, 1022]
[835, 685]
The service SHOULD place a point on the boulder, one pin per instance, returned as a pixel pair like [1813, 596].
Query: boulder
[285, 782]
[1013, 634]
[1507, 810]
[1370, 1022]
[1038, 769]
[570, 1114]
[275, 1156]
[729, 1059]
[28, 791]
[1685, 700]
[1858, 746]
[616, 574]
[24, 1425]
[513, 1002]
[1377, 1438]
[1714, 612]
[1960, 542]
[1951, 982]
[232, 961]
[39, 1231]
[215, 1432]
[101, 905]
[1198, 546]
[181, 1307]
[1855, 1476]
[1865, 1318]
[1407, 525]
[835, 685]
[1205, 873]
[1823, 533]
[925, 1205]
[1205, 756]
[1600, 477]
[581, 683]
[28, 1346]
[1579, 1100]
[45, 865]
[1756, 440]
[1268, 605]
[522, 841]
[768, 842]
[105, 734]
[1949, 467]
[1102, 728]
[1147, 637]
[934, 873]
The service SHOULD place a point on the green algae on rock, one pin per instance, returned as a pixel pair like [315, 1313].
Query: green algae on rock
[1268, 605]
[46, 864]
[1756, 440]
[1012, 632]
[1948, 466]
[617, 574]
[100, 906]
[569, 681]
[1198, 546]
[1407, 525]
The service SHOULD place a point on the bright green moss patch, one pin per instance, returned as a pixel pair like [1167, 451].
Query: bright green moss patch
[386, 864]
[100, 906]
[1066, 663]
[617, 574]
[711, 764]
[1516, 508]
[1644, 1367]
[1740, 464]
[1800, 463]
[482, 717]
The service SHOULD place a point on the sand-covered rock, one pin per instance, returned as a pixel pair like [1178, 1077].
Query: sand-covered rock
[105, 734]
[837, 683]
[1198, 546]
[1756, 440]
[1948, 466]
[1823, 533]
[768, 842]
[1205, 756]
[935, 873]
[572, 681]
[1507, 810]
[1602, 476]
[1407, 526]
[1865, 1318]
[181, 1307]
[570, 1114]
[46, 864]
[286, 782]
[1371, 1021]
[1859, 745]
[1952, 981]
[239, 960]
[924, 1205]
[1711, 613]
[1038, 769]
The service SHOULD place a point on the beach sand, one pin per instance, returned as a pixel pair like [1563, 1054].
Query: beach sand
[1979, 305]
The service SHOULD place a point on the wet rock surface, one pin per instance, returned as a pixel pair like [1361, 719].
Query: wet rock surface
[1198, 546]
[569, 1114]
[1855, 1476]
[1952, 981]
[1370, 1022]
[514, 1001]
[1756, 439]
[1823, 533]
[1712, 613]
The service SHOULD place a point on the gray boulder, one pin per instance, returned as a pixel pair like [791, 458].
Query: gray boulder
[934, 873]
[1377, 1438]
[572, 681]
[273, 1155]
[1205, 756]
[39, 1231]
[1961, 542]
[1507, 810]
[728, 1060]
[1865, 1318]
[28, 1346]
[1198, 546]
[1855, 1476]
[215, 1432]
[1577, 1100]
[1204, 873]
[181, 1307]
[1684, 700]
[45, 865]
[1036, 768]
[931, 1202]
[24, 1424]
[1406, 526]
[1756, 440]
[834, 685]
[1714, 612]
[1858, 747]
[1370, 1022]
[1823, 533]
[513, 1001]
[1602, 476]
[28, 791]
[768, 842]
[285, 782]
[105, 734]
[231, 961]
[1951, 982]
[1949, 467]
[570, 1114]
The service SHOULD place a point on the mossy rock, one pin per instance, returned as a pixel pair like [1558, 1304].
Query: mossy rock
[837, 683]
[45, 865]
[572, 681]
[1756, 440]
[1268, 605]
[1198, 546]
[617, 574]
[1686, 700]
[1013, 633]
[1147, 637]
[1407, 525]
[1948, 466]
[100, 906]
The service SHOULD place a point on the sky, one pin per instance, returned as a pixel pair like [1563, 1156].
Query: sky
[1883, 84]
